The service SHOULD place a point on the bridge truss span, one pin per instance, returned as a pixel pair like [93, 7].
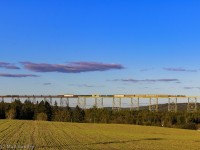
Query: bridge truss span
[134, 100]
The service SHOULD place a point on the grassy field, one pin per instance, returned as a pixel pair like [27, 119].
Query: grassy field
[58, 135]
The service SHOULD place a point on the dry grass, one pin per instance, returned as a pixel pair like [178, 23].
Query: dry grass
[57, 135]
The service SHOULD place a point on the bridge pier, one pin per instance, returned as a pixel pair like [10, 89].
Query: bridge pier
[192, 104]
[135, 103]
[99, 102]
[153, 104]
[48, 99]
[172, 105]
[116, 103]
[81, 102]
[32, 99]
[64, 102]
[2, 99]
[14, 98]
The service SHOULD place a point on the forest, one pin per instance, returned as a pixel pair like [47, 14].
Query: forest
[44, 111]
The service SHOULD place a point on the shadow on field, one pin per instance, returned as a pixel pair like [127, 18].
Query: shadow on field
[97, 143]
[127, 141]
[153, 139]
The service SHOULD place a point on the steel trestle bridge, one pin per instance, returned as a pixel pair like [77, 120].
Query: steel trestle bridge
[116, 100]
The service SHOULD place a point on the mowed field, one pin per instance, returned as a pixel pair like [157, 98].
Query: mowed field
[58, 135]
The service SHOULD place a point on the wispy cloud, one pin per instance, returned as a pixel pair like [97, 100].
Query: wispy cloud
[190, 88]
[85, 85]
[146, 80]
[17, 75]
[146, 69]
[8, 65]
[180, 69]
[47, 83]
[178, 82]
[73, 67]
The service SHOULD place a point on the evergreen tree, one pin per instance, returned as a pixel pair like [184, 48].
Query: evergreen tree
[68, 114]
[48, 110]
[78, 114]
[17, 107]
[27, 110]
[2, 110]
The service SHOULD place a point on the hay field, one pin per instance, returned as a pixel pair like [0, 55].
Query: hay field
[72, 136]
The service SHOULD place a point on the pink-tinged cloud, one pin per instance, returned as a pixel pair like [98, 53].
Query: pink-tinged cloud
[73, 67]
[180, 69]
[146, 80]
[8, 65]
[17, 75]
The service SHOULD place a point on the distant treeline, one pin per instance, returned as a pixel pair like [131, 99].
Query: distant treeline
[44, 111]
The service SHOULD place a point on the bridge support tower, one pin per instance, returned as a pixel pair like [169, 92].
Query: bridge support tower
[2, 99]
[172, 105]
[32, 99]
[14, 98]
[99, 102]
[135, 103]
[64, 102]
[48, 99]
[81, 102]
[117, 103]
[153, 104]
[192, 104]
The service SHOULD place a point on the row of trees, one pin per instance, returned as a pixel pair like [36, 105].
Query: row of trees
[44, 111]
[40, 111]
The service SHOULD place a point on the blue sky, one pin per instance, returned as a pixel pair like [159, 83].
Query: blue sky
[101, 47]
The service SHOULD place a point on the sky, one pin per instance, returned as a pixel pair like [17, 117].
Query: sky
[100, 47]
